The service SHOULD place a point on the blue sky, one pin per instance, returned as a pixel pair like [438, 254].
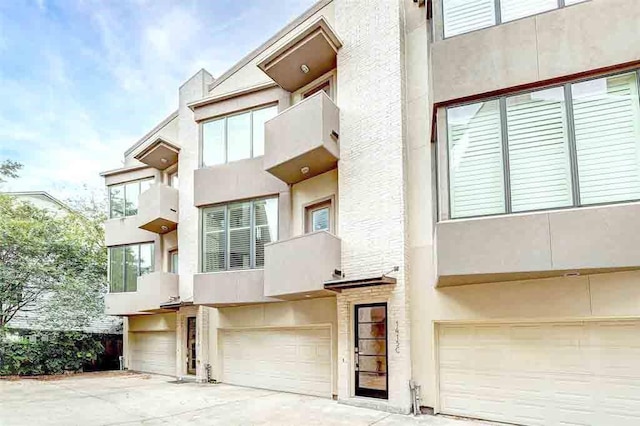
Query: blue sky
[82, 80]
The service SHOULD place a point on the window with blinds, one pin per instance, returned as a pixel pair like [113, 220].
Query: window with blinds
[463, 16]
[234, 235]
[539, 163]
[476, 169]
[606, 112]
[127, 263]
[572, 145]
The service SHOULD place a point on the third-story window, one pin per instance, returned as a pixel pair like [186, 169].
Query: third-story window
[572, 145]
[123, 198]
[234, 234]
[235, 137]
[463, 16]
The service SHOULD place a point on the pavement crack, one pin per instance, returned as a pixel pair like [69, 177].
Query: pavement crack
[380, 419]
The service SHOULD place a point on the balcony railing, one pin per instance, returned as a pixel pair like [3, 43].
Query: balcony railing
[298, 267]
[153, 290]
[158, 209]
[302, 141]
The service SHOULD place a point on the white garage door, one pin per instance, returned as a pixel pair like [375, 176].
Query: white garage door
[291, 360]
[585, 373]
[153, 352]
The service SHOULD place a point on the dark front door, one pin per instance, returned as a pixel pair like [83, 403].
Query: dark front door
[371, 350]
[191, 345]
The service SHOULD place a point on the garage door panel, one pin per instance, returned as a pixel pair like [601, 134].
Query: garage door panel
[153, 352]
[291, 360]
[564, 373]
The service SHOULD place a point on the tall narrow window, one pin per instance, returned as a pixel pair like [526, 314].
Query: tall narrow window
[476, 160]
[173, 261]
[265, 225]
[116, 269]
[607, 125]
[116, 201]
[539, 163]
[239, 137]
[214, 239]
[213, 143]
[260, 117]
[240, 235]
[132, 193]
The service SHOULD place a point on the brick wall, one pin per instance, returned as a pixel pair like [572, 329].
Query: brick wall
[371, 81]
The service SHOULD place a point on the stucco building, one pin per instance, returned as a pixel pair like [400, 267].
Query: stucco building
[392, 191]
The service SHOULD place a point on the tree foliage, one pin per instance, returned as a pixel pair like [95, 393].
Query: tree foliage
[52, 264]
[49, 352]
[9, 169]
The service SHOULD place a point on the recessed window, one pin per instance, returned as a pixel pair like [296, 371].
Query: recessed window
[571, 145]
[173, 180]
[322, 87]
[235, 137]
[173, 261]
[123, 198]
[234, 234]
[318, 217]
[127, 263]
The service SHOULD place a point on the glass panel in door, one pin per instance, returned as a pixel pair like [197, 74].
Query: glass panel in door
[371, 376]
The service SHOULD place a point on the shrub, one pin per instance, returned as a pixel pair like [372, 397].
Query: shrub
[48, 352]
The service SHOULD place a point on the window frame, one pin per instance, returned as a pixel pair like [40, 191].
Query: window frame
[571, 135]
[173, 253]
[226, 117]
[252, 226]
[124, 265]
[498, 16]
[309, 208]
[123, 185]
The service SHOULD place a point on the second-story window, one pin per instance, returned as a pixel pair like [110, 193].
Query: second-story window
[234, 234]
[572, 145]
[235, 137]
[127, 263]
[123, 198]
[463, 16]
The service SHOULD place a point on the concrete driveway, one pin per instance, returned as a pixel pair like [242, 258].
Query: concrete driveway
[136, 399]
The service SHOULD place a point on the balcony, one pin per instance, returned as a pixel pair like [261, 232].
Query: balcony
[538, 245]
[153, 290]
[298, 267]
[302, 141]
[229, 288]
[158, 209]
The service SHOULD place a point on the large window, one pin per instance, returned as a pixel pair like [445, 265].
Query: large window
[123, 198]
[463, 16]
[234, 235]
[235, 137]
[572, 145]
[127, 263]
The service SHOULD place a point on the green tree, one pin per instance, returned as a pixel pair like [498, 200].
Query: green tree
[54, 264]
[9, 169]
